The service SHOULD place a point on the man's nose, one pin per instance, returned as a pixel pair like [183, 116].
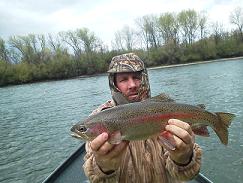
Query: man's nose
[131, 83]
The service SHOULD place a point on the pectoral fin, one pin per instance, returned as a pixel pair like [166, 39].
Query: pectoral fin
[115, 137]
[167, 139]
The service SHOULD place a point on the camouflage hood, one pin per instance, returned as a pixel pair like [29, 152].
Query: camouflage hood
[128, 63]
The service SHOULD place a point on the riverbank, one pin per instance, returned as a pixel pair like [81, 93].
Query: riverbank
[170, 66]
[195, 63]
[150, 68]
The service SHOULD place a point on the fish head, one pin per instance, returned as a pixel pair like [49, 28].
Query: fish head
[80, 131]
[87, 132]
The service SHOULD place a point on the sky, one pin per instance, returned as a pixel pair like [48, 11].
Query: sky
[103, 17]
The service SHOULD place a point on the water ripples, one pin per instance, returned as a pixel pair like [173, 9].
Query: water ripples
[36, 118]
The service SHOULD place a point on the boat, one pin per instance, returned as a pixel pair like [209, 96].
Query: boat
[71, 170]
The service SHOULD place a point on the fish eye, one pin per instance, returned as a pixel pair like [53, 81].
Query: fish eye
[82, 129]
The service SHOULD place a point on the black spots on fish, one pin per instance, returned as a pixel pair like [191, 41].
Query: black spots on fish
[225, 118]
[221, 129]
[202, 106]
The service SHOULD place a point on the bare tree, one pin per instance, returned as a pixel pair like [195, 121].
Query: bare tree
[202, 20]
[72, 41]
[82, 41]
[148, 28]
[125, 39]
[3, 51]
[118, 43]
[218, 31]
[18, 46]
[128, 36]
[142, 32]
[236, 18]
[55, 43]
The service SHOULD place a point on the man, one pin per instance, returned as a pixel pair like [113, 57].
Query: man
[146, 160]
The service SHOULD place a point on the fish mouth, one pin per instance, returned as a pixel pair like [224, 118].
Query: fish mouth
[75, 135]
[80, 134]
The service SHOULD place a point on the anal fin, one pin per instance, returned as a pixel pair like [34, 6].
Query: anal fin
[201, 131]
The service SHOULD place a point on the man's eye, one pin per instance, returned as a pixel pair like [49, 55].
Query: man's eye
[122, 80]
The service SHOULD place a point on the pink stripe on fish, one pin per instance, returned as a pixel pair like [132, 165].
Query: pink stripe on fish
[98, 129]
[159, 117]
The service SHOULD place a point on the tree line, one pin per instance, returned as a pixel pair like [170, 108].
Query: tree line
[170, 38]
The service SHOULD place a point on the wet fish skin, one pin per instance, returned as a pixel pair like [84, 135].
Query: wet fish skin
[142, 120]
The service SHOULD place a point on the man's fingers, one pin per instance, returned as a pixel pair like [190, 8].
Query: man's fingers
[105, 148]
[98, 141]
[118, 149]
[101, 146]
[181, 133]
[181, 124]
[178, 143]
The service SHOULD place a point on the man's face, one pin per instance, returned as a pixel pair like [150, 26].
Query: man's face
[128, 84]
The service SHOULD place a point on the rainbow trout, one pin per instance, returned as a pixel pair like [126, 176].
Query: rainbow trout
[142, 120]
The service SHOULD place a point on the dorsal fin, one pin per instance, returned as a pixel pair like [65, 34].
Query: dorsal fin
[162, 98]
[119, 98]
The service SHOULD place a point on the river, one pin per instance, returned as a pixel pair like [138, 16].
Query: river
[35, 119]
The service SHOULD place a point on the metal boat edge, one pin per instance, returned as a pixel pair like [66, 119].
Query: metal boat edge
[69, 172]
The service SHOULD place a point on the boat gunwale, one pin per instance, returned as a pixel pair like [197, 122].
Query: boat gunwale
[200, 178]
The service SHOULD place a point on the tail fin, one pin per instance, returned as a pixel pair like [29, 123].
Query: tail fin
[222, 129]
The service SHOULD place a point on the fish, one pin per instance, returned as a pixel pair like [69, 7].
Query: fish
[148, 118]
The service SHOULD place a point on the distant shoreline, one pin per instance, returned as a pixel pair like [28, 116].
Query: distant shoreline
[149, 68]
[194, 63]
[169, 66]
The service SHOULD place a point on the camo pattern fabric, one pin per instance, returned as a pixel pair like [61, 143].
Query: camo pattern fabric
[126, 63]
[129, 63]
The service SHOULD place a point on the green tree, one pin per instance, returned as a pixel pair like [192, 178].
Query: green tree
[31, 49]
[169, 28]
[188, 21]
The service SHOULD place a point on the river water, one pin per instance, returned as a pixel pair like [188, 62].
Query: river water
[35, 119]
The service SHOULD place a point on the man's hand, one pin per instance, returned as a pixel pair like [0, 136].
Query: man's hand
[183, 137]
[108, 156]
